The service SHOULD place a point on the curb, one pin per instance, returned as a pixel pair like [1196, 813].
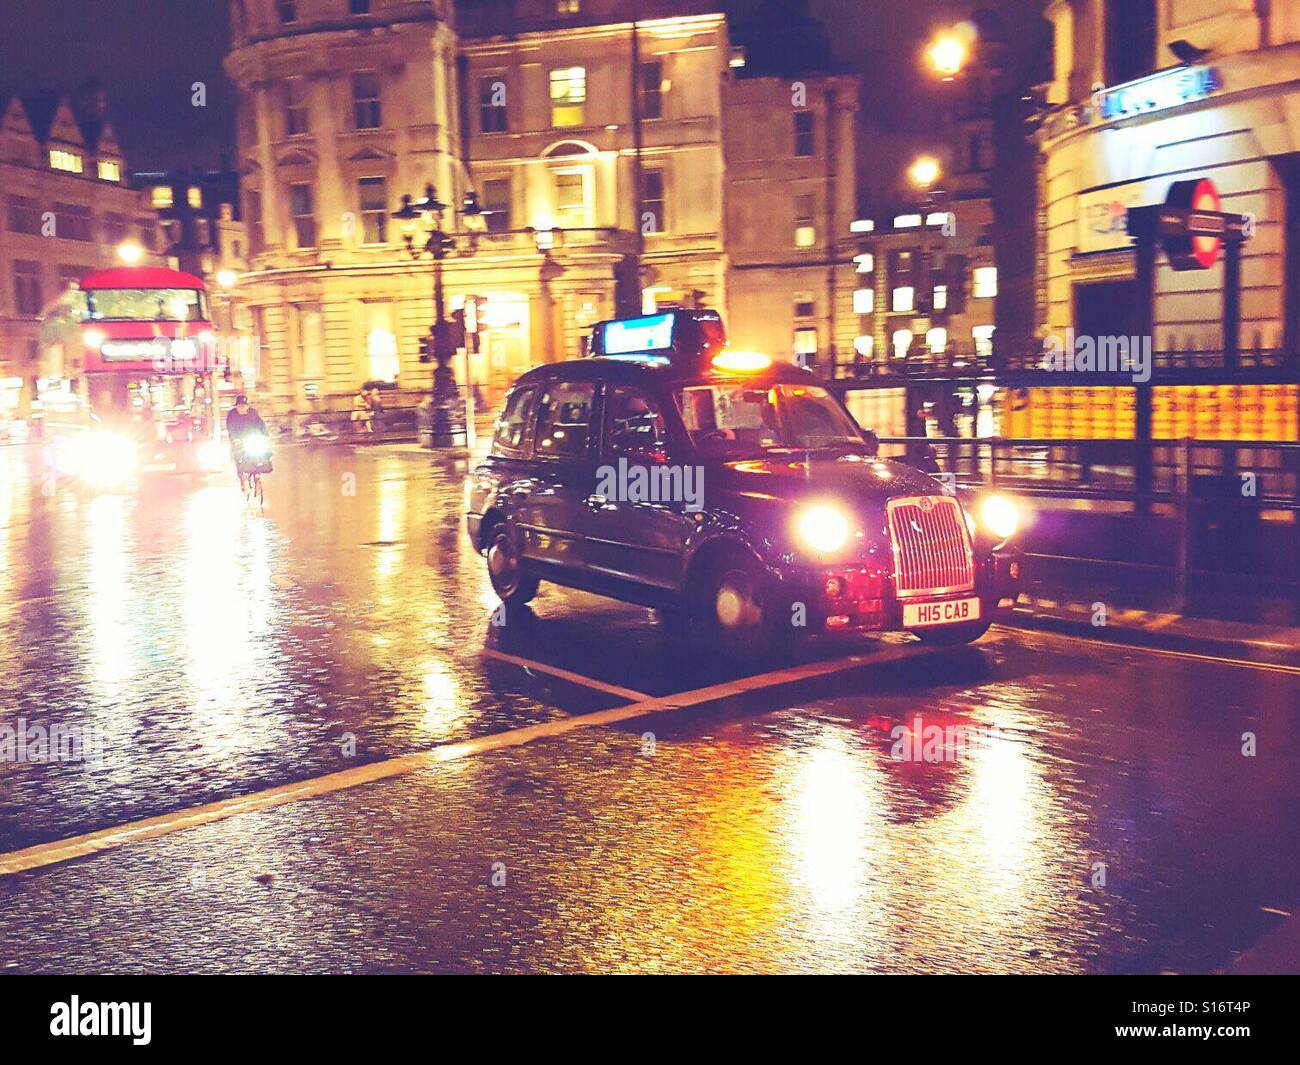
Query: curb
[1154, 628]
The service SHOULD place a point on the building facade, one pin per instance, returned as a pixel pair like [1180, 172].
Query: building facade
[596, 145]
[790, 198]
[1146, 94]
[67, 211]
[343, 107]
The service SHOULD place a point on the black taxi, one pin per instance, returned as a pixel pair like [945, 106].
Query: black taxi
[731, 491]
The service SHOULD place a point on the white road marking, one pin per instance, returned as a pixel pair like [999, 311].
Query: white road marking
[47, 854]
[564, 674]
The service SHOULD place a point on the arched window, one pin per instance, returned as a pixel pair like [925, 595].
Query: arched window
[1130, 39]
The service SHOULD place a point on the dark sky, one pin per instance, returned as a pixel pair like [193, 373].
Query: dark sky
[150, 52]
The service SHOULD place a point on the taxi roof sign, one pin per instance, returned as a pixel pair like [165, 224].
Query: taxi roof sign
[624, 336]
[677, 335]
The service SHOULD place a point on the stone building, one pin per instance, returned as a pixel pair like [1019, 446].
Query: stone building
[597, 147]
[66, 212]
[1146, 94]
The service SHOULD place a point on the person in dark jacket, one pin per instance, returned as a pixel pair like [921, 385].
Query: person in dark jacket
[241, 423]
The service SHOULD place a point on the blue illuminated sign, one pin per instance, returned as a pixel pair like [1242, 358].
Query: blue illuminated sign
[1169, 88]
[651, 333]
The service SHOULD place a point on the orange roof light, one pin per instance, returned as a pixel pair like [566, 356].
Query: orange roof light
[741, 361]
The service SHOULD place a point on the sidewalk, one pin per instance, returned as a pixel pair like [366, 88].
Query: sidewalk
[1220, 616]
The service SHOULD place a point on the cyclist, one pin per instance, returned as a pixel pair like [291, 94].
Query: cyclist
[243, 423]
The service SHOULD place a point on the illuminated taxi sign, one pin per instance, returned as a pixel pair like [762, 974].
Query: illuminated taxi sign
[679, 336]
[1158, 92]
[626, 336]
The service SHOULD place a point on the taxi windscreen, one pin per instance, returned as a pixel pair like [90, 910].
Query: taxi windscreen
[737, 418]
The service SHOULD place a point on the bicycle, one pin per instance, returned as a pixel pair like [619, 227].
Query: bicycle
[252, 487]
[252, 459]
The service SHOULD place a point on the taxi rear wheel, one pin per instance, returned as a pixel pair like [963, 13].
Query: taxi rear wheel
[737, 608]
[951, 635]
[513, 587]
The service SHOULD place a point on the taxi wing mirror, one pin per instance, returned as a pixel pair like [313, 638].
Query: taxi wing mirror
[872, 441]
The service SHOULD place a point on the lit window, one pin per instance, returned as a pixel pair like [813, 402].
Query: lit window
[805, 345]
[568, 7]
[866, 262]
[983, 336]
[63, 160]
[902, 343]
[161, 196]
[803, 133]
[568, 96]
[986, 282]
[194, 196]
[904, 299]
[864, 345]
[907, 221]
[864, 300]
[381, 342]
[365, 100]
[573, 198]
[862, 225]
[936, 339]
[110, 170]
[937, 218]
[805, 228]
[940, 297]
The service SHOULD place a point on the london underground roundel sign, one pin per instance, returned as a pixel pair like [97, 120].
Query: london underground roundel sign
[1199, 247]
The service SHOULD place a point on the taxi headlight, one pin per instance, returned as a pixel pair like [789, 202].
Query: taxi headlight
[1000, 516]
[824, 529]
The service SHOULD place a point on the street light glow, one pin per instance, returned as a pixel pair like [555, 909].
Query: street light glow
[949, 51]
[130, 253]
[924, 172]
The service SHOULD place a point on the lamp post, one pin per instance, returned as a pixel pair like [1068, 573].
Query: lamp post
[423, 233]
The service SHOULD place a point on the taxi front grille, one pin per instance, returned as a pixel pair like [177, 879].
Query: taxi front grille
[932, 549]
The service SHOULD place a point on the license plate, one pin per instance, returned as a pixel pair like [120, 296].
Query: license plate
[942, 612]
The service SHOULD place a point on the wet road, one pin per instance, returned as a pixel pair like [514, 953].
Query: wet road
[1092, 810]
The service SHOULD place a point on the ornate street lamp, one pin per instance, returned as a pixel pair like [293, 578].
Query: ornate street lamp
[421, 223]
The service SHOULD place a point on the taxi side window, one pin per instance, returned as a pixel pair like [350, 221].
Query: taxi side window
[635, 424]
[564, 419]
[511, 437]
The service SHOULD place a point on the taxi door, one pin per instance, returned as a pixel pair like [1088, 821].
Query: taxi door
[550, 513]
[638, 518]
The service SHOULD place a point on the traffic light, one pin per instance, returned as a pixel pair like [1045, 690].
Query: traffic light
[426, 349]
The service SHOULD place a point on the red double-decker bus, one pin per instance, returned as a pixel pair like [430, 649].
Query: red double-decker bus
[132, 366]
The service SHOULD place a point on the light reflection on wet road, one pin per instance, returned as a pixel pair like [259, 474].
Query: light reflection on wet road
[222, 652]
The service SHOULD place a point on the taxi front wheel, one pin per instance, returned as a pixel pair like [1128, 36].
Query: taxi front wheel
[738, 609]
[513, 587]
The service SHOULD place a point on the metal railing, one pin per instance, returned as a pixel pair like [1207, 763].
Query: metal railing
[1215, 492]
